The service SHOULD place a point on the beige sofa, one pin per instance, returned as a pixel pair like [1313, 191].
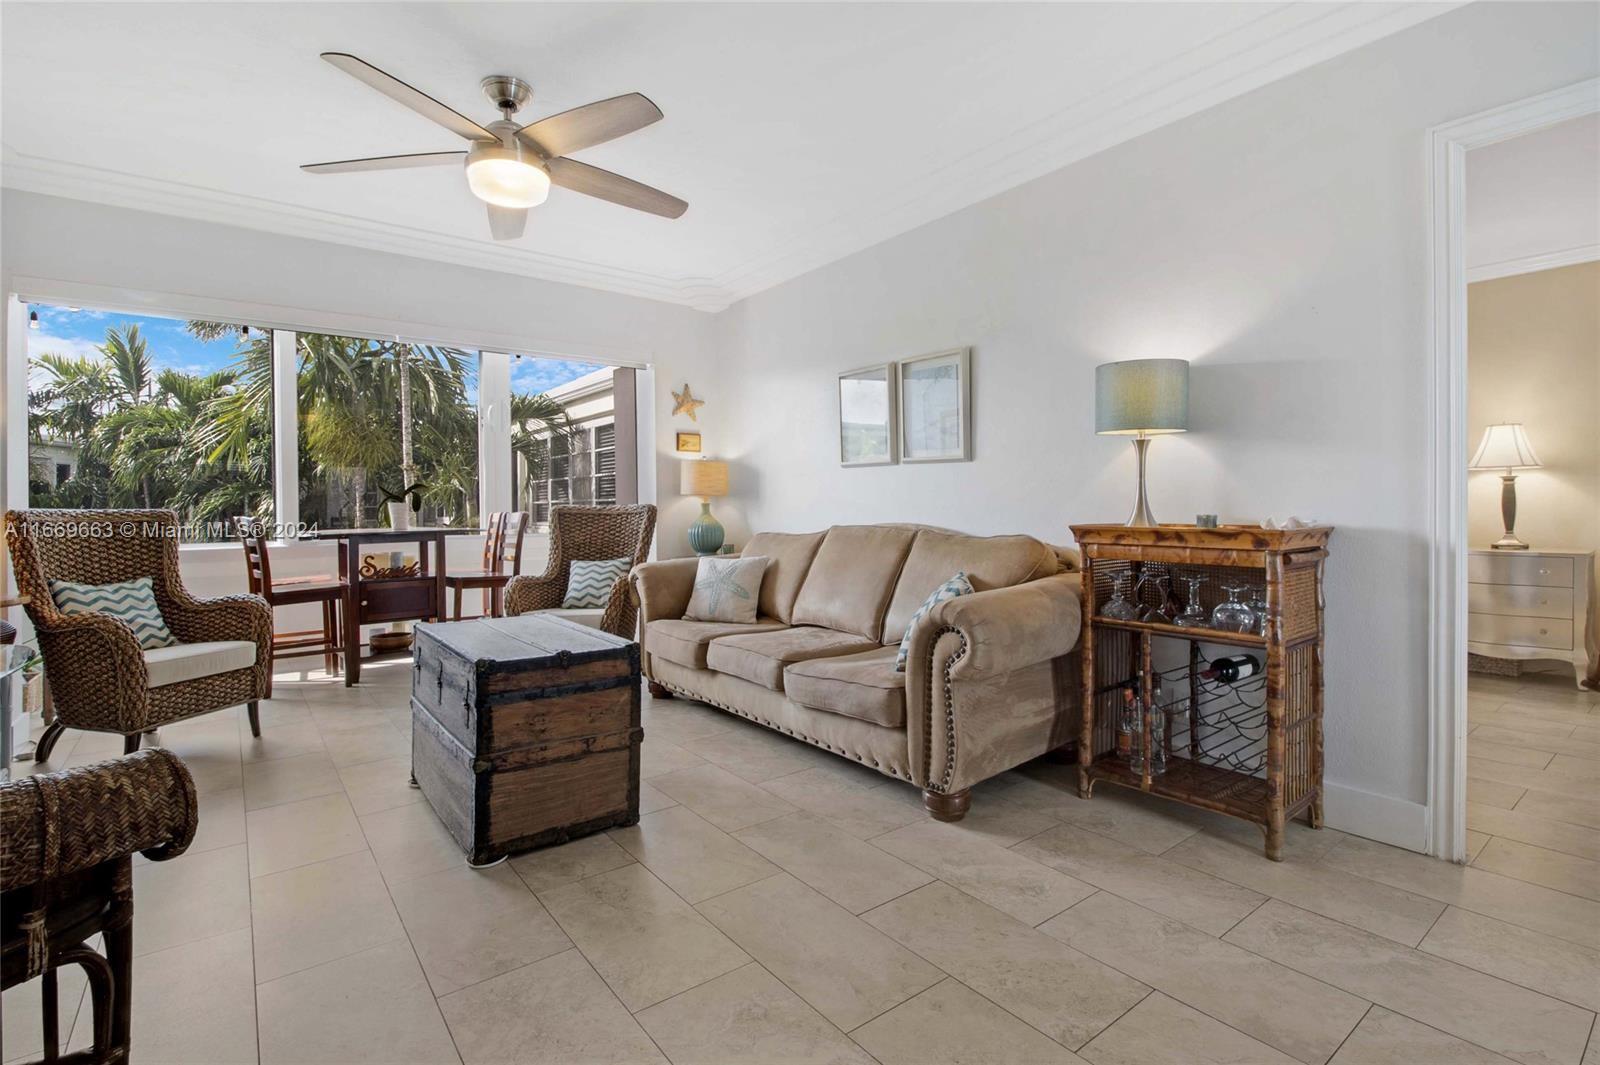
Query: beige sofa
[992, 680]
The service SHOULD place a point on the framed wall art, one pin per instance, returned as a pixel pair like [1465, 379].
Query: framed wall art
[689, 442]
[935, 407]
[867, 416]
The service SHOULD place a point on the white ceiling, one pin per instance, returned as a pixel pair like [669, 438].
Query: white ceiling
[1533, 202]
[799, 133]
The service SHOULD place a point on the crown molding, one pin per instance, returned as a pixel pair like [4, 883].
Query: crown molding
[1529, 264]
[54, 177]
[1285, 39]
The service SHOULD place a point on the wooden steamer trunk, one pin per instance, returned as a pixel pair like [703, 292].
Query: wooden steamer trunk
[525, 731]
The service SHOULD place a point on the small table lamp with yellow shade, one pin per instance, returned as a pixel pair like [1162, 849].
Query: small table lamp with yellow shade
[708, 479]
[1505, 447]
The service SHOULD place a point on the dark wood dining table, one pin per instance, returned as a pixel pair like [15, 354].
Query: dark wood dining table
[374, 600]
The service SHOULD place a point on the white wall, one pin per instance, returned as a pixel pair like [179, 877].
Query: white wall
[1532, 201]
[309, 283]
[1278, 241]
[1534, 356]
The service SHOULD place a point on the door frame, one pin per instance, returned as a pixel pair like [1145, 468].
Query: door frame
[1447, 468]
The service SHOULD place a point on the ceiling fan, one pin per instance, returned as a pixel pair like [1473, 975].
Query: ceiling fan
[512, 166]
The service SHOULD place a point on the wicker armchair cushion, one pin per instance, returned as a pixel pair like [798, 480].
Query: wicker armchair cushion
[191, 661]
[590, 616]
[131, 602]
[589, 581]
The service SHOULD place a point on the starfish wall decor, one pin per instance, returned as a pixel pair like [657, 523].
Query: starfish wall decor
[686, 403]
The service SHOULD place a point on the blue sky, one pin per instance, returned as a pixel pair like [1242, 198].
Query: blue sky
[78, 332]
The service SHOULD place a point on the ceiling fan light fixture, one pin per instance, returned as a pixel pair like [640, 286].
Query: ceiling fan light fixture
[505, 177]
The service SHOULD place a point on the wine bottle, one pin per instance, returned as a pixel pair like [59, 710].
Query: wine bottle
[1125, 726]
[1233, 669]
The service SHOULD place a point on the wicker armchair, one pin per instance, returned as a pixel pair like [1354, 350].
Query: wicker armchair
[99, 676]
[588, 534]
[66, 875]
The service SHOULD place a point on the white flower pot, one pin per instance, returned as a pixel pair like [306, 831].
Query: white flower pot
[400, 516]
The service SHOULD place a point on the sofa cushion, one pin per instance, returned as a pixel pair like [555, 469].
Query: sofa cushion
[191, 661]
[685, 642]
[988, 561]
[850, 580]
[864, 686]
[789, 558]
[760, 657]
[726, 589]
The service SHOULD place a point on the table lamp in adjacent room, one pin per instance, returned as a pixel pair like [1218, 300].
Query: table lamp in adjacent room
[1141, 398]
[1505, 447]
[708, 479]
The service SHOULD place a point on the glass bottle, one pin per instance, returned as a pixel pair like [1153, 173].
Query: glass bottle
[1121, 606]
[1157, 717]
[1129, 741]
[1234, 615]
[1194, 615]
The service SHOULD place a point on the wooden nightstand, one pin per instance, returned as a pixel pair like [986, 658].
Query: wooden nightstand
[1533, 604]
[1252, 749]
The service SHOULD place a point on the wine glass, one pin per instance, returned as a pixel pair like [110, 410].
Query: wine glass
[1234, 614]
[1121, 606]
[1157, 613]
[1194, 615]
[1258, 604]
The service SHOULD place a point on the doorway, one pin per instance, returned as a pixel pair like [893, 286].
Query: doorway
[1506, 267]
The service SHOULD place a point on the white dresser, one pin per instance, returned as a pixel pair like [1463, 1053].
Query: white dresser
[1532, 604]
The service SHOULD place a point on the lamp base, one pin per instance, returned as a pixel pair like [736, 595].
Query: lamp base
[706, 534]
[1508, 514]
[1141, 517]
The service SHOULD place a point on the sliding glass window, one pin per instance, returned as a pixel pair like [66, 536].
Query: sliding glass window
[380, 419]
[149, 412]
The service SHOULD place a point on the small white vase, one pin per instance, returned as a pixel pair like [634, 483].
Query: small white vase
[400, 516]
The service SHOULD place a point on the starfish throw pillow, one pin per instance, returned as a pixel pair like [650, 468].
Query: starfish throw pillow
[726, 589]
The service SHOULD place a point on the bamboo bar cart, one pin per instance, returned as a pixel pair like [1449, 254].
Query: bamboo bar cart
[1251, 750]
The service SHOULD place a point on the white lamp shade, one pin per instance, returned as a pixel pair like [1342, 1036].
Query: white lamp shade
[1505, 447]
[705, 478]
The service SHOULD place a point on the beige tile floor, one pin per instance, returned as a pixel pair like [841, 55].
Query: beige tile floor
[777, 904]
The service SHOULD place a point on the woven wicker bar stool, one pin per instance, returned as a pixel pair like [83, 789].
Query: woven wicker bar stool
[99, 677]
[589, 534]
[66, 875]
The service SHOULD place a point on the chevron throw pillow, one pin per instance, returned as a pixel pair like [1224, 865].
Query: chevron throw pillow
[955, 586]
[132, 602]
[589, 584]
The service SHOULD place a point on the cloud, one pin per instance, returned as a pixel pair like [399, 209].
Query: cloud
[40, 343]
[530, 374]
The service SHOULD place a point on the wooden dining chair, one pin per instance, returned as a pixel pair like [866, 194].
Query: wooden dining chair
[321, 588]
[502, 560]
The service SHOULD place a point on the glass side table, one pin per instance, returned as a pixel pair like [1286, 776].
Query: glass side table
[13, 656]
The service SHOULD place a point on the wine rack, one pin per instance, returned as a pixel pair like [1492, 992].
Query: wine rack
[1252, 749]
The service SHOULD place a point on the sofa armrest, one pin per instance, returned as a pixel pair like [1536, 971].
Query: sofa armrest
[662, 589]
[992, 682]
[1008, 628]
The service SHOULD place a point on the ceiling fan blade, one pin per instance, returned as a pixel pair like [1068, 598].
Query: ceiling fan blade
[417, 100]
[603, 184]
[385, 162]
[583, 127]
[507, 223]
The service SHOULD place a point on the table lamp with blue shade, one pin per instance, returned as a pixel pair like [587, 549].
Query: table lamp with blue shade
[1141, 398]
[708, 479]
[1505, 447]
